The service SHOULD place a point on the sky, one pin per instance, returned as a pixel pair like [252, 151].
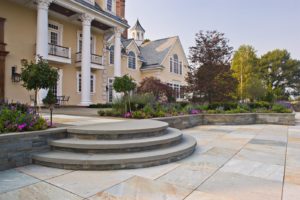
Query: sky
[264, 24]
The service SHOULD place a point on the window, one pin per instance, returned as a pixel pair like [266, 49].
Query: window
[93, 43]
[54, 33]
[110, 90]
[131, 60]
[92, 83]
[175, 57]
[171, 64]
[176, 90]
[111, 55]
[109, 5]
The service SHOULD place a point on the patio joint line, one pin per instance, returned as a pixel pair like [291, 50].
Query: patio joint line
[284, 169]
[111, 186]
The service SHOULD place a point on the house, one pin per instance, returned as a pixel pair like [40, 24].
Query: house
[86, 40]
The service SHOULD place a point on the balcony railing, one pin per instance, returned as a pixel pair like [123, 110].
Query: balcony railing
[95, 59]
[60, 51]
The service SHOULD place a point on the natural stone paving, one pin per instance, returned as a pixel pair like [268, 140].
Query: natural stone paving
[255, 162]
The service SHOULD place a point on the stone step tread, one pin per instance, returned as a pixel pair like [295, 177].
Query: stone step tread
[70, 158]
[123, 127]
[75, 143]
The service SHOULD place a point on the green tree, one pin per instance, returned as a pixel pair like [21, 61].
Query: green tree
[243, 64]
[210, 77]
[125, 85]
[255, 88]
[36, 76]
[281, 73]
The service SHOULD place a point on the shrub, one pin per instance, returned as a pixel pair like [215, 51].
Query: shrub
[159, 113]
[259, 104]
[19, 118]
[278, 108]
[156, 87]
[138, 115]
[225, 106]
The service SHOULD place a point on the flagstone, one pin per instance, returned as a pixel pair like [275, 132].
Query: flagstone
[241, 187]
[259, 156]
[291, 192]
[42, 172]
[39, 191]
[138, 188]
[188, 176]
[255, 169]
[88, 183]
[12, 179]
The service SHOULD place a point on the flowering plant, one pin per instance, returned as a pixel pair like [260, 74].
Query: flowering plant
[195, 111]
[128, 115]
[15, 117]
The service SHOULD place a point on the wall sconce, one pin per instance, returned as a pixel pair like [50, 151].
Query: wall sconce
[15, 77]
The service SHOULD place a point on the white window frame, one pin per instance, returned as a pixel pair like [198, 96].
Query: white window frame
[59, 32]
[77, 82]
[179, 64]
[173, 85]
[135, 63]
[93, 41]
[108, 90]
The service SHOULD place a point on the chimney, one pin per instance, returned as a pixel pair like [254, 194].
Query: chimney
[120, 11]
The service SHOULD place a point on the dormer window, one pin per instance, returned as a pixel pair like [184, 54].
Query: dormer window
[109, 5]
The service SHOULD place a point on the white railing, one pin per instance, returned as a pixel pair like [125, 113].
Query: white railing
[95, 59]
[60, 51]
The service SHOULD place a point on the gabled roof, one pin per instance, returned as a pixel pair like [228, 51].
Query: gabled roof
[138, 26]
[126, 42]
[154, 52]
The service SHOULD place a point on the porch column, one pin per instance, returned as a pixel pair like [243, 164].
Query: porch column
[86, 60]
[42, 28]
[117, 52]
[42, 37]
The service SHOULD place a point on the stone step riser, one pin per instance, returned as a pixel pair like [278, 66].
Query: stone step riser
[116, 136]
[129, 165]
[123, 150]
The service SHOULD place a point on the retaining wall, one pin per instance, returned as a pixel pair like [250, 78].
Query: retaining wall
[16, 148]
[188, 121]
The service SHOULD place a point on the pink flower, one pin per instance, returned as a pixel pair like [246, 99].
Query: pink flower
[128, 115]
[22, 126]
[195, 112]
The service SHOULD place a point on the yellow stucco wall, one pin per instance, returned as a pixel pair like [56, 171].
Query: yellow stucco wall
[20, 36]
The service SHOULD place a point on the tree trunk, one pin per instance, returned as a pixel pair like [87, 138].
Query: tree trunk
[35, 100]
[51, 112]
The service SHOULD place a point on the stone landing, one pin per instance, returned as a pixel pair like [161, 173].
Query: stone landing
[119, 145]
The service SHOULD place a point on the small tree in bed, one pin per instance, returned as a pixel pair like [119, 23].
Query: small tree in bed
[39, 75]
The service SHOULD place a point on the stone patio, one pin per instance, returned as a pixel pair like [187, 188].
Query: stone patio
[230, 163]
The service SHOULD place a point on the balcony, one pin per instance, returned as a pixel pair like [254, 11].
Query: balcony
[96, 61]
[59, 53]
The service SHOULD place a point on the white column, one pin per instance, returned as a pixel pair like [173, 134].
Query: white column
[117, 52]
[86, 60]
[42, 37]
[42, 28]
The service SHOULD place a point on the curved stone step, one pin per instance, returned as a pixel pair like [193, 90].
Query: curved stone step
[172, 137]
[82, 161]
[119, 130]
